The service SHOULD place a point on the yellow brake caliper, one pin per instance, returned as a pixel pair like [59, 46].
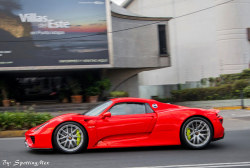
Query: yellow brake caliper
[188, 134]
[78, 140]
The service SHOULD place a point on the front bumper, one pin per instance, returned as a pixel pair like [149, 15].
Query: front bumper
[41, 139]
[26, 144]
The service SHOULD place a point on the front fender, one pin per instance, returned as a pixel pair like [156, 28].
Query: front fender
[42, 138]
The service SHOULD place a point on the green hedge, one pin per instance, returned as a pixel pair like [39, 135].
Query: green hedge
[22, 120]
[227, 86]
[226, 91]
[246, 91]
[227, 78]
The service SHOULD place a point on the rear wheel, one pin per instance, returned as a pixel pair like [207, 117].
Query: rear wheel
[70, 137]
[196, 133]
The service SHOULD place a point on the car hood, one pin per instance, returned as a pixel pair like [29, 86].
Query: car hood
[71, 116]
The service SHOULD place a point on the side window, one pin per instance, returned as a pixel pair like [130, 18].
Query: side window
[128, 109]
[149, 109]
[118, 109]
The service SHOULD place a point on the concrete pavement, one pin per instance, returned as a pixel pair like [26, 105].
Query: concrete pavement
[233, 149]
[236, 119]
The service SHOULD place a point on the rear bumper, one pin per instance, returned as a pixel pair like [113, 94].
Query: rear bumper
[219, 131]
[216, 139]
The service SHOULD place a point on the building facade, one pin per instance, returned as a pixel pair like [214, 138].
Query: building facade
[146, 48]
[207, 38]
[136, 48]
[39, 47]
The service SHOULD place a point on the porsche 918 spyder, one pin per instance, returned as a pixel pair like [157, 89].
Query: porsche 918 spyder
[128, 122]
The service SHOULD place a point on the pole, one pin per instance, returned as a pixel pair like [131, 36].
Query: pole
[242, 99]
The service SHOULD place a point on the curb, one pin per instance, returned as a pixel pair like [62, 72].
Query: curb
[12, 133]
[231, 108]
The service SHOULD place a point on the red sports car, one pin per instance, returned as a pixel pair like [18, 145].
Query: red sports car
[128, 122]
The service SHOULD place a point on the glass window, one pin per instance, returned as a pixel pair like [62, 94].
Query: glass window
[162, 39]
[98, 109]
[128, 109]
[149, 109]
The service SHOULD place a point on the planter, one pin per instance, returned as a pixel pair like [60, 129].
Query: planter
[6, 103]
[92, 99]
[12, 102]
[65, 100]
[76, 99]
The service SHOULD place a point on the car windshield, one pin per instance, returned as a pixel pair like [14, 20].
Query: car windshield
[98, 109]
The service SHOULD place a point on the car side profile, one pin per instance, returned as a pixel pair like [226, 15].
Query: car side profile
[128, 122]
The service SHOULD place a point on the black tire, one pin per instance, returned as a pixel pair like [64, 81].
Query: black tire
[197, 138]
[59, 145]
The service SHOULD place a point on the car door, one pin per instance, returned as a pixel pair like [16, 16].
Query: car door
[126, 119]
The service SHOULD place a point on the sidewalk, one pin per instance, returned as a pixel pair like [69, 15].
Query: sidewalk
[59, 107]
[233, 103]
[236, 119]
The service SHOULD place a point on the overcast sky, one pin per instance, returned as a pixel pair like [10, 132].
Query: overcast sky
[118, 1]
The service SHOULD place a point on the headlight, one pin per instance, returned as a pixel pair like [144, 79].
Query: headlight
[41, 126]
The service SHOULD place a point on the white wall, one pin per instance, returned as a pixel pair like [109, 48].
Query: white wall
[119, 2]
[233, 48]
[204, 44]
[152, 8]
[192, 40]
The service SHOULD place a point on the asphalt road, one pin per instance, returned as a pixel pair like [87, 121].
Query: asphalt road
[233, 151]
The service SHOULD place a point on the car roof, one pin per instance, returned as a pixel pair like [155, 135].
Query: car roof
[132, 99]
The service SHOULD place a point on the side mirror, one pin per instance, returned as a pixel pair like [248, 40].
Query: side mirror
[105, 115]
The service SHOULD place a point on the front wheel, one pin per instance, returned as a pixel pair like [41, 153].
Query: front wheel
[196, 133]
[70, 137]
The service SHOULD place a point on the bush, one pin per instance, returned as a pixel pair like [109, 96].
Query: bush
[163, 100]
[118, 94]
[93, 91]
[229, 78]
[75, 86]
[246, 91]
[210, 93]
[104, 84]
[240, 84]
[22, 120]
[245, 74]
[227, 87]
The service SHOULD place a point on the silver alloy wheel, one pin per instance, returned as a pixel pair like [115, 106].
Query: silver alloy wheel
[70, 137]
[197, 133]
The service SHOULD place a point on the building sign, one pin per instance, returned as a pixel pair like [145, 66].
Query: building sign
[53, 33]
